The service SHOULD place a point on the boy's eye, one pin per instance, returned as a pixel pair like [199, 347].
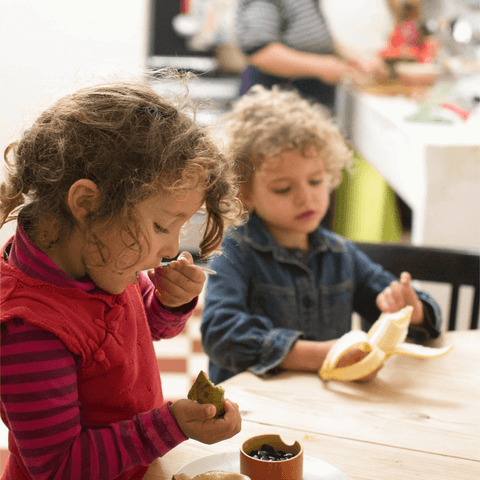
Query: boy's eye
[282, 191]
[318, 181]
[159, 229]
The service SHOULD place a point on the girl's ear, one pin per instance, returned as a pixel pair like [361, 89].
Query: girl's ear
[83, 198]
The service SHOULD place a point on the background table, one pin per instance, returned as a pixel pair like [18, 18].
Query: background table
[435, 168]
[419, 419]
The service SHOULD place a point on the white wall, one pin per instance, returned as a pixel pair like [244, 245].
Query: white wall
[49, 47]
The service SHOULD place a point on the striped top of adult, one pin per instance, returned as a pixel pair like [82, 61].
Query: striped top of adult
[299, 24]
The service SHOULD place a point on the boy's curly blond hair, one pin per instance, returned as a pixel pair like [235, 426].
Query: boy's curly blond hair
[263, 124]
[132, 143]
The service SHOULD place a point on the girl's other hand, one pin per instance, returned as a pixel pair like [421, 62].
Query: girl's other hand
[178, 283]
[198, 421]
[400, 294]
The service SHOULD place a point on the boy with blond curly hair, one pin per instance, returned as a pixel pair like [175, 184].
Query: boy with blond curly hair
[286, 287]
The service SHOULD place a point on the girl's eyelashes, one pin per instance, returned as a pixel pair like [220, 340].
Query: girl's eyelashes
[318, 181]
[159, 229]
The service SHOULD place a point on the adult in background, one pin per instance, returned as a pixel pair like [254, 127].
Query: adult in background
[288, 43]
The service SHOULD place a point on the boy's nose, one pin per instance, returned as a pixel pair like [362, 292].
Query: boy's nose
[301, 197]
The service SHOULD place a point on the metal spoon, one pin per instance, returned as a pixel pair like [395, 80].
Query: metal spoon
[205, 269]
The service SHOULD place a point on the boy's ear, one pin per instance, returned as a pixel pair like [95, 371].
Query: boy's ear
[246, 197]
[83, 198]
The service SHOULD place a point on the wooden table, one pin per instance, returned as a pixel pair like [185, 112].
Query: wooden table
[419, 419]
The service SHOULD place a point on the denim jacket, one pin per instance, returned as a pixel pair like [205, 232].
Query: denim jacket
[264, 298]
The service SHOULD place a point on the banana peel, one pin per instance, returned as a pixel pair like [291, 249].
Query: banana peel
[385, 338]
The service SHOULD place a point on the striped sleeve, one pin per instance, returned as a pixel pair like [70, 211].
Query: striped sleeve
[258, 24]
[40, 406]
[299, 24]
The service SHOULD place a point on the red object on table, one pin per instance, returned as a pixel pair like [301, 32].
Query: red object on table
[406, 43]
[462, 113]
[184, 6]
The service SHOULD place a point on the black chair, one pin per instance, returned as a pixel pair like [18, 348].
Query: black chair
[440, 265]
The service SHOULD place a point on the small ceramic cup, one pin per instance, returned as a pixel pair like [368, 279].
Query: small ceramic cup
[291, 469]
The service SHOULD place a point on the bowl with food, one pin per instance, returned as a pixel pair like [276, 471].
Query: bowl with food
[268, 457]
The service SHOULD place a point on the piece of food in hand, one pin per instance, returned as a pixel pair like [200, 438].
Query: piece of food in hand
[204, 391]
[212, 475]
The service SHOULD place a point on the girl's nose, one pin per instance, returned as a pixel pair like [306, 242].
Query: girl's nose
[169, 248]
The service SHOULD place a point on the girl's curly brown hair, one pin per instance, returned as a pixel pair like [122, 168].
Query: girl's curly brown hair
[263, 124]
[131, 143]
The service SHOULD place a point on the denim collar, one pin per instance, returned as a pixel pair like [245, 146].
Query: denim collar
[259, 238]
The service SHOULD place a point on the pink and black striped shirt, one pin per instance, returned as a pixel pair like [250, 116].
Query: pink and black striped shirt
[39, 395]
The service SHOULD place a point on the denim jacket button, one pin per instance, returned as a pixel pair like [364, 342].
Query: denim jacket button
[307, 302]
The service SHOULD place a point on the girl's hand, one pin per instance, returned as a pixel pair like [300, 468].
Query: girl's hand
[197, 420]
[400, 294]
[178, 283]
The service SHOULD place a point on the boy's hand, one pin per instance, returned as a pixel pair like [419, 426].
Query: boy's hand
[178, 283]
[197, 420]
[400, 294]
[353, 356]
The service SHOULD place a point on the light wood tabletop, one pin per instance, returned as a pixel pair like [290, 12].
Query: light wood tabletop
[418, 419]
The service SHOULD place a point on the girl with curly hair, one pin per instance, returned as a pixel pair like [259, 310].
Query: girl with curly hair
[286, 288]
[101, 185]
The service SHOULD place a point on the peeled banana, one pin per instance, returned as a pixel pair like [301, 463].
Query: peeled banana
[386, 337]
